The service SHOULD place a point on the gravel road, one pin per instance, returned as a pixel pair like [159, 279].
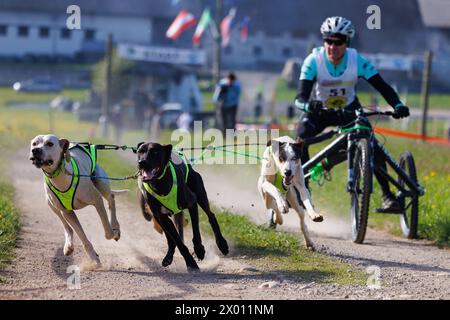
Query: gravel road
[131, 267]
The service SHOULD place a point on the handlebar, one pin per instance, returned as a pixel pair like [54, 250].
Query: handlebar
[361, 112]
[382, 113]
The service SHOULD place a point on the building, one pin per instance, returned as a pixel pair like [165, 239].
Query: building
[38, 28]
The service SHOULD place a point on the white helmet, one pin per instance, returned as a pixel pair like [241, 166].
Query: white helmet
[337, 25]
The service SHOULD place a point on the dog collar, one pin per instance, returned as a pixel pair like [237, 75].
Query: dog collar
[57, 172]
[164, 172]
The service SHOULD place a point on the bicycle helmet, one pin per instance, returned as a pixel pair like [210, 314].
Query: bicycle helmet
[337, 26]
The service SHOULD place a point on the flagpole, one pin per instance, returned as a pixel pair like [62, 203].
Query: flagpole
[217, 43]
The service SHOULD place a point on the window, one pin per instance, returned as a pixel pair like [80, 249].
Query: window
[65, 33]
[44, 32]
[89, 34]
[22, 31]
[287, 52]
[257, 51]
[3, 29]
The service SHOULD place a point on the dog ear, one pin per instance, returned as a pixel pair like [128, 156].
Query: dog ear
[167, 148]
[298, 146]
[64, 144]
[167, 152]
[137, 147]
[299, 142]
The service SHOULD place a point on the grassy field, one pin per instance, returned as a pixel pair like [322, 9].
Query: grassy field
[9, 223]
[10, 96]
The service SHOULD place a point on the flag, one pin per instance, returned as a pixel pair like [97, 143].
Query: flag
[243, 32]
[225, 27]
[182, 22]
[205, 20]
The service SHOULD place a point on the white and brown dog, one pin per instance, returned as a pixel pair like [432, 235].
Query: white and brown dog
[282, 184]
[67, 191]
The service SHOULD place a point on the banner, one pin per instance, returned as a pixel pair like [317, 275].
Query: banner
[161, 54]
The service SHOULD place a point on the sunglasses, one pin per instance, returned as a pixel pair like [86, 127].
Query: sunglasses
[337, 42]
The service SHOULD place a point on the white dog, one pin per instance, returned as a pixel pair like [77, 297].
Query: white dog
[66, 191]
[282, 184]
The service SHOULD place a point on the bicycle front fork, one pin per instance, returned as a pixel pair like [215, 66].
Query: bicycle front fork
[351, 150]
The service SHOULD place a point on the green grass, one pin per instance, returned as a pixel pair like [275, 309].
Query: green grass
[208, 104]
[9, 224]
[281, 253]
[7, 95]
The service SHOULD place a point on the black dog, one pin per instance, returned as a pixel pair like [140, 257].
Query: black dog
[168, 185]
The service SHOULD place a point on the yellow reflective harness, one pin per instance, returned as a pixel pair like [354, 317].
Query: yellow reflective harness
[67, 197]
[278, 183]
[169, 201]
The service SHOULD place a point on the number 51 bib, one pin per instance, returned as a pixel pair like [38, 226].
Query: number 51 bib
[335, 92]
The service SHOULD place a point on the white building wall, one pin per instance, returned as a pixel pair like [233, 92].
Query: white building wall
[273, 49]
[136, 30]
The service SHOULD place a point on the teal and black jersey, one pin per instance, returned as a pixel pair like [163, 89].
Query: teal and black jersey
[309, 69]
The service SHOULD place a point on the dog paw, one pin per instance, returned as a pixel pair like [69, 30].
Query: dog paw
[317, 218]
[167, 261]
[116, 233]
[223, 246]
[193, 269]
[191, 264]
[310, 247]
[199, 251]
[68, 250]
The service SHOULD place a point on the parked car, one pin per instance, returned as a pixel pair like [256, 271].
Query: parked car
[38, 85]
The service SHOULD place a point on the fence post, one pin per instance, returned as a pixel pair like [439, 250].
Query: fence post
[426, 73]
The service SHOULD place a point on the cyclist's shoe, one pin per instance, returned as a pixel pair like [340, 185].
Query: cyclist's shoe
[390, 203]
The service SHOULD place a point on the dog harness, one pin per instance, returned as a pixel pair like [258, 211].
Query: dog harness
[67, 197]
[169, 201]
[278, 183]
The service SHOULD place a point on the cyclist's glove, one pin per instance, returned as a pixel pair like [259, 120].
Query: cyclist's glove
[400, 112]
[314, 106]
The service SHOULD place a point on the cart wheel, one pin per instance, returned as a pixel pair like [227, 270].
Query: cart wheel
[360, 196]
[410, 217]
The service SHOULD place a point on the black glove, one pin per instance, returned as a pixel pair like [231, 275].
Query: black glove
[314, 106]
[401, 112]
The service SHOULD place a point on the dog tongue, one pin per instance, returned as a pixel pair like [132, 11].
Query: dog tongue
[287, 180]
[149, 175]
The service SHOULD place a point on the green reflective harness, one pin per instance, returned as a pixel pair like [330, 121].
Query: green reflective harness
[169, 201]
[67, 197]
[278, 183]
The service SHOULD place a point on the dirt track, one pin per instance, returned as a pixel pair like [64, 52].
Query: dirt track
[409, 269]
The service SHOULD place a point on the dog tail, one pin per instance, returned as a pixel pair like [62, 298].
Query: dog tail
[119, 191]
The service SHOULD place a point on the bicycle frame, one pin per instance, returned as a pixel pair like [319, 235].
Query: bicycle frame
[347, 142]
[416, 189]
